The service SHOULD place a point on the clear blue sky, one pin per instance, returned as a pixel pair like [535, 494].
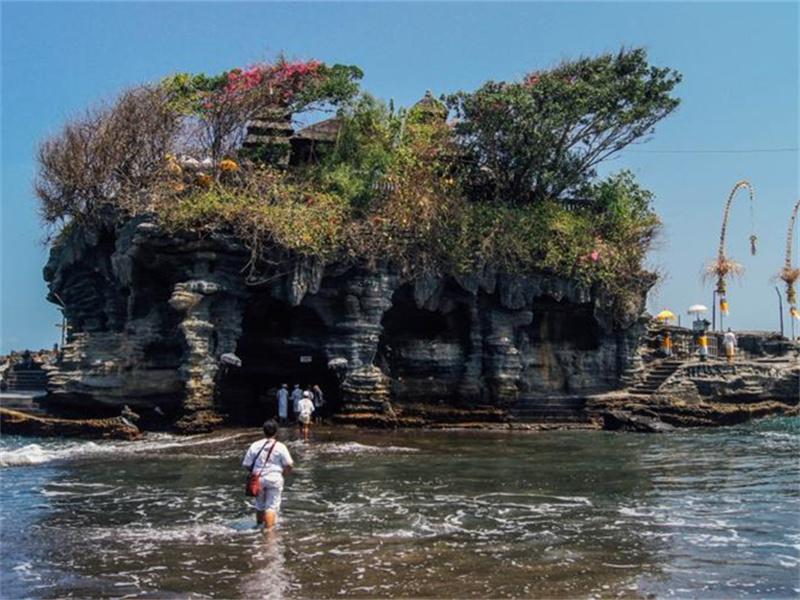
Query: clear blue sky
[740, 92]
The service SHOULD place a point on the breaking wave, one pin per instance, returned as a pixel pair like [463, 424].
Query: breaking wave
[357, 448]
[35, 454]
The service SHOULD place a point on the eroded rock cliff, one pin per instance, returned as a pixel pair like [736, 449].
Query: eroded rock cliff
[151, 315]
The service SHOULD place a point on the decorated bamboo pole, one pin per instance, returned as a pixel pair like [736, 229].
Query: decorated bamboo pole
[723, 268]
[789, 274]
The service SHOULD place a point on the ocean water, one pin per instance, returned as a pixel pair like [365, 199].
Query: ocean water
[697, 514]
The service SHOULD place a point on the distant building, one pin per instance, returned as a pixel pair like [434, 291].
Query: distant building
[429, 109]
[310, 143]
[271, 138]
[268, 136]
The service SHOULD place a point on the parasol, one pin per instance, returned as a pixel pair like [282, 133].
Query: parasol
[697, 309]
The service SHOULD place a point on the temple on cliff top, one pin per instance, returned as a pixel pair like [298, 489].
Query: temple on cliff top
[152, 310]
[151, 314]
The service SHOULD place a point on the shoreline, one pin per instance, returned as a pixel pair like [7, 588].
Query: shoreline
[666, 397]
[608, 412]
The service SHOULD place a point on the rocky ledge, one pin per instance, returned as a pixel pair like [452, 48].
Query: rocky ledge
[704, 394]
[151, 315]
[15, 422]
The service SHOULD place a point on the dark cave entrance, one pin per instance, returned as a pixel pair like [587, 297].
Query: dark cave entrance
[565, 324]
[424, 351]
[279, 344]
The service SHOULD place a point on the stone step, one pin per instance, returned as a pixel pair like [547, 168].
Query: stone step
[661, 374]
[26, 374]
[566, 416]
[567, 409]
[546, 409]
[27, 402]
[665, 366]
[26, 386]
[26, 380]
[651, 383]
[21, 375]
[552, 401]
[656, 377]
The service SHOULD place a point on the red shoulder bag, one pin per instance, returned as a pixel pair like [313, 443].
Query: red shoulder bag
[253, 485]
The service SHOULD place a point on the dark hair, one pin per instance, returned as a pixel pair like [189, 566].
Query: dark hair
[270, 427]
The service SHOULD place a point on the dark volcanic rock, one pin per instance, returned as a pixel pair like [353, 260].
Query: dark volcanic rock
[630, 414]
[708, 394]
[14, 422]
[621, 420]
[744, 382]
[151, 315]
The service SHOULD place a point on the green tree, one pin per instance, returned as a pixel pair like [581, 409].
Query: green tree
[543, 137]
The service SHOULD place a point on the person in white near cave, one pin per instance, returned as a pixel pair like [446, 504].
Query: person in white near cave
[319, 401]
[297, 395]
[271, 460]
[283, 404]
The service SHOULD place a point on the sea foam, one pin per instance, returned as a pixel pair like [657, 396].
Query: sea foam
[35, 454]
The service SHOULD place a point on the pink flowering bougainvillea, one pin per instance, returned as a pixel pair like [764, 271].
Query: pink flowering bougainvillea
[223, 104]
[293, 84]
[240, 81]
[282, 80]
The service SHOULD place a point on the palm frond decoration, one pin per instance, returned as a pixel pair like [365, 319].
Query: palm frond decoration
[722, 269]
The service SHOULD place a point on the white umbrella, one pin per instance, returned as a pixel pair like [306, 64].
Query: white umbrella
[229, 358]
[188, 162]
[697, 309]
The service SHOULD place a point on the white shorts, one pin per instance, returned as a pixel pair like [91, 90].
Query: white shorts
[304, 418]
[269, 498]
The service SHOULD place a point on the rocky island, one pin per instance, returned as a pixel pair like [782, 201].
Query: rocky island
[422, 270]
[152, 315]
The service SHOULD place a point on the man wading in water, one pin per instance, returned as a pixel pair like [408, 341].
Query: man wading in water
[270, 459]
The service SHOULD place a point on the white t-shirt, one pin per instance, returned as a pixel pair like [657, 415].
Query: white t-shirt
[729, 339]
[305, 406]
[278, 459]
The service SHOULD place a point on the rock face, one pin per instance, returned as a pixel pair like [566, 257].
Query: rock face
[16, 422]
[764, 380]
[150, 316]
[744, 382]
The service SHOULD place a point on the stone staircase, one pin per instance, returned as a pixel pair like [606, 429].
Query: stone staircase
[557, 409]
[656, 376]
[26, 380]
